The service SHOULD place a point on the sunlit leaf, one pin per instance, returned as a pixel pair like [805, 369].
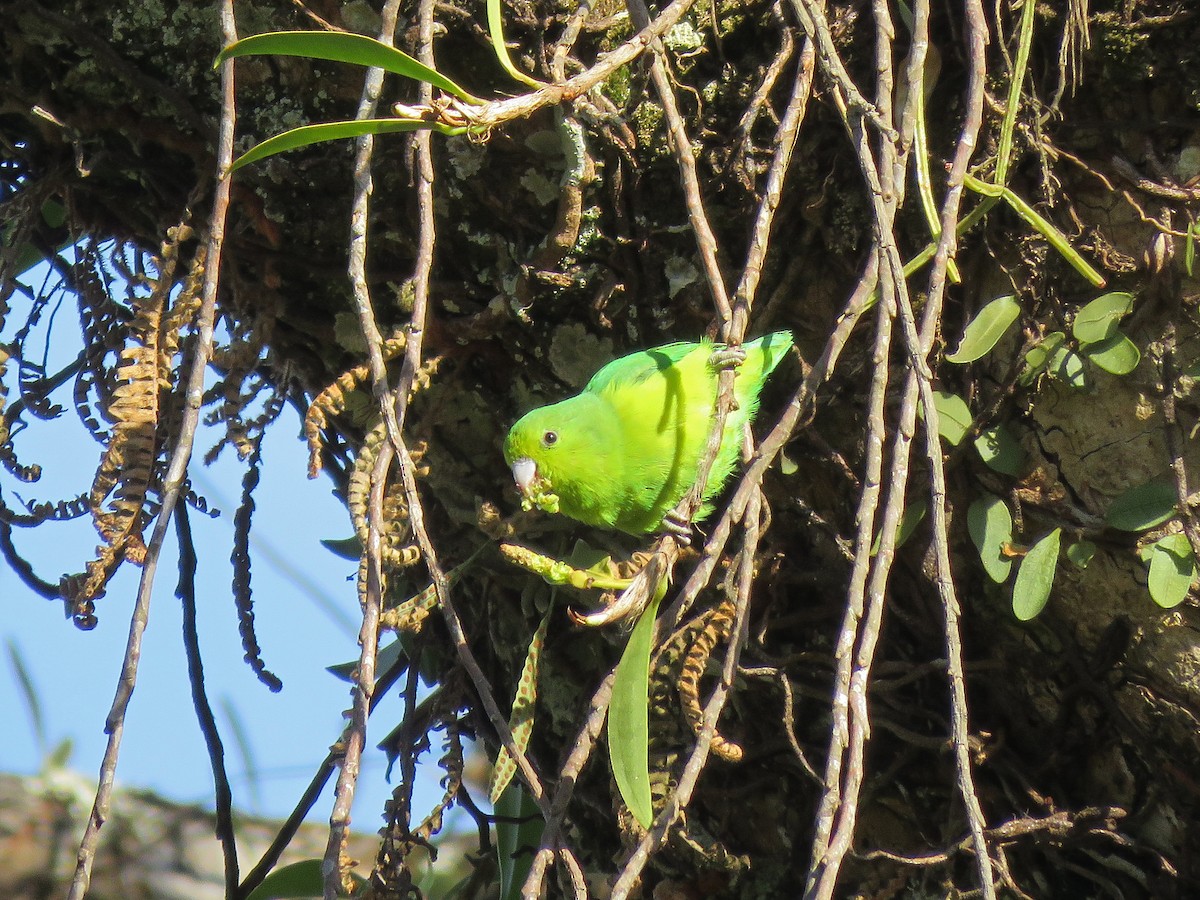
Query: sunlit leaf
[496, 32]
[1097, 321]
[1172, 570]
[954, 416]
[985, 330]
[1144, 506]
[1080, 553]
[1116, 354]
[1189, 249]
[1035, 577]
[909, 520]
[990, 525]
[333, 131]
[628, 720]
[340, 46]
[1067, 366]
[1000, 451]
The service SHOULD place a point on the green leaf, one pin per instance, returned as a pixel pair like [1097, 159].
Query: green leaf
[345, 548]
[1097, 321]
[299, 880]
[787, 465]
[521, 719]
[909, 520]
[985, 330]
[1080, 553]
[387, 657]
[1067, 366]
[628, 719]
[1172, 570]
[333, 131]
[520, 828]
[990, 525]
[1038, 356]
[1189, 249]
[336, 46]
[954, 416]
[496, 31]
[1035, 577]
[1116, 354]
[1000, 451]
[1144, 506]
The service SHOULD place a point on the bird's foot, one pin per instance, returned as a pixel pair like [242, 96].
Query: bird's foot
[727, 358]
[677, 527]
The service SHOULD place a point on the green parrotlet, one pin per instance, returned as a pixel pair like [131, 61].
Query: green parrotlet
[622, 453]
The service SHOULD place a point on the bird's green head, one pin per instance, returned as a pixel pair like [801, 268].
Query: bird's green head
[554, 450]
[535, 448]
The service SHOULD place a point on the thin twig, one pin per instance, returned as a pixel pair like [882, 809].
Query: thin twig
[176, 474]
[568, 777]
[364, 684]
[185, 590]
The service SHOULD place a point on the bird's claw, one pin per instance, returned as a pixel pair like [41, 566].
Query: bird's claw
[677, 527]
[727, 358]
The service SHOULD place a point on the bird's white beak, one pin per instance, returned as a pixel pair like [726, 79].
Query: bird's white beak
[524, 472]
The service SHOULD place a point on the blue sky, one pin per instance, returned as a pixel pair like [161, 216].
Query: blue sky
[306, 614]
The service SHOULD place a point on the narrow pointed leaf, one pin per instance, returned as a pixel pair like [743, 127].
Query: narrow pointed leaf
[521, 720]
[496, 32]
[1035, 577]
[1116, 354]
[514, 838]
[985, 330]
[357, 49]
[628, 720]
[990, 525]
[333, 131]
[1098, 320]
[1172, 570]
[1144, 506]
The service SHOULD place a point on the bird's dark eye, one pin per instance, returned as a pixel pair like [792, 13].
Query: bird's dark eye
[550, 438]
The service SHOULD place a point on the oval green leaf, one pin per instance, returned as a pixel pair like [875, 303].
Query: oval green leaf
[1080, 553]
[1172, 570]
[339, 46]
[1067, 366]
[1035, 577]
[909, 520]
[1116, 354]
[333, 131]
[1000, 451]
[985, 330]
[628, 720]
[1097, 321]
[1144, 506]
[990, 526]
[954, 416]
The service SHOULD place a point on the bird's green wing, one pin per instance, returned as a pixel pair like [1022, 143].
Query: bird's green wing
[634, 369]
